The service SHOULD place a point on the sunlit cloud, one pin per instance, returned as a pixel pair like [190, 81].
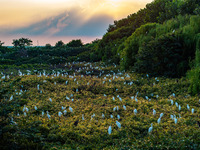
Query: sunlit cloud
[63, 17]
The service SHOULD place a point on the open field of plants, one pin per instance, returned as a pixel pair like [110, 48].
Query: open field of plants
[94, 106]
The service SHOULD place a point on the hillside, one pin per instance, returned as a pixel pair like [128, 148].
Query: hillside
[68, 109]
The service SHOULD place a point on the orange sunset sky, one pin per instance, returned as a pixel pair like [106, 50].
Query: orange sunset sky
[47, 21]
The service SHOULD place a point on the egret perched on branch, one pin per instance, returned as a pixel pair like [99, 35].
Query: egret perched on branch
[118, 124]
[159, 119]
[109, 130]
[154, 112]
[135, 111]
[70, 108]
[150, 128]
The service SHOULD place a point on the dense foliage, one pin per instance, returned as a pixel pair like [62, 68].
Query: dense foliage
[136, 41]
[73, 108]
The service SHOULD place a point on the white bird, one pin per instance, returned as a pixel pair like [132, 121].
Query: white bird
[120, 99]
[150, 128]
[161, 115]
[50, 99]
[146, 97]
[188, 107]
[136, 99]
[66, 82]
[70, 108]
[171, 116]
[118, 124]
[65, 112]
[192, 110]
[11, 98]
[35, 107]
[175, 120]
[135, 111]
[179, 107]
[124, 107]
[103, 116]
[109, 130]
[24, 113]
[114, 108]
[159, 119]
[176, 104]
[48, 116]
[59, 114]
[111, 116]
[113, 98]
[63, 108]
[83, 117]
[154, 112]
[172, 102]
[118, 116]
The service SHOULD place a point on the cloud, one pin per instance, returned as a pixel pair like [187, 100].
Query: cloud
[70, 23]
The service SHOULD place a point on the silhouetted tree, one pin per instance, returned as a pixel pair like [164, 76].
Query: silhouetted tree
[75, 43]
[22, 42]
[1, 43]
[59, 44]
[48, 46]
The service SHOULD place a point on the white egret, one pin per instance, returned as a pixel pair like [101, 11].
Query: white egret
[124, 107]
[150, 128]
[59, 114]
[50, 99]
[179, 107]
[118, 116]
[175, 120]
[103, 116]
[159, 119]
[35, 107]
[65, 112]
[161, 115]
[83, 117]
[154, 112]
[109, 130]
[70, 108]
[118, 124]
[192, 110]
[188, 107]
[135, 111]
[111, 116]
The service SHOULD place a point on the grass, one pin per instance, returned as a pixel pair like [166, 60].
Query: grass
[90, 90]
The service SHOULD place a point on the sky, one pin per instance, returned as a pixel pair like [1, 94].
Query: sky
[48, 21]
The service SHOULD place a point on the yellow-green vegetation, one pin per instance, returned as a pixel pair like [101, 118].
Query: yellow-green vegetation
[73, 108]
